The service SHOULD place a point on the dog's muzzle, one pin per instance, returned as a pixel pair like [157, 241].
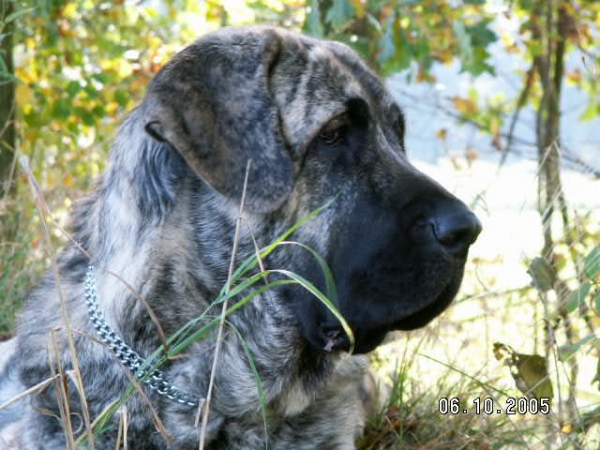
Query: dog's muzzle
[400, 274]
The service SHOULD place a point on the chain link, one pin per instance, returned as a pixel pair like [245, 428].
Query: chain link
[154, 379]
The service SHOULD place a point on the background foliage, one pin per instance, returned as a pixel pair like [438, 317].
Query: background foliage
[71, 69]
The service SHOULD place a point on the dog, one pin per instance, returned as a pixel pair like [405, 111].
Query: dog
[285, 154]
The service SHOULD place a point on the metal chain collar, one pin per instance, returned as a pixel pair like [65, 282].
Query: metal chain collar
[154, 379]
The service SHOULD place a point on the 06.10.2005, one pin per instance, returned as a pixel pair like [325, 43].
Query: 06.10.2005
[490, 406]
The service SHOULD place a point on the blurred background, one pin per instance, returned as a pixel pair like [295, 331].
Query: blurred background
[502, 100]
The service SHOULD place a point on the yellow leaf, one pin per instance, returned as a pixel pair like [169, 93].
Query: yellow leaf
[68, 180]
[471, 154]
[465, 106]
[424, 75]
[574, 76]
[24, 96]
[112, 107]
[502, 351]
[70, 10]
[442, 134]
[495, 126]
[567, 428]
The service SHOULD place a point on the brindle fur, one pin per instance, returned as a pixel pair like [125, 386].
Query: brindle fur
[317, 125]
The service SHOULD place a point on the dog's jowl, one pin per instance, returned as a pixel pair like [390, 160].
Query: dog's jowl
[318, 137]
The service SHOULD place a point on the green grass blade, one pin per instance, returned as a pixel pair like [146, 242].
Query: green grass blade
[322, 298]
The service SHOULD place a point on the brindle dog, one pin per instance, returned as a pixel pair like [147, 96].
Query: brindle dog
[310, 126]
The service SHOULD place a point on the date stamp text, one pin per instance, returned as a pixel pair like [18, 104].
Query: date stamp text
[451, 406]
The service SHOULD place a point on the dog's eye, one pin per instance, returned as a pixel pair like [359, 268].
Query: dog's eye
[334, 133]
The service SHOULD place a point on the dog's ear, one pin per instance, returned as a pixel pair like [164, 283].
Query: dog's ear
[212, 103]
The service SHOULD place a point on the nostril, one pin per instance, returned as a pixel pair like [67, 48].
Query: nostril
[457, 231]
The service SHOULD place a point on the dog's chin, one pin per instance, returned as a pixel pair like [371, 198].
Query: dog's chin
[332, 337]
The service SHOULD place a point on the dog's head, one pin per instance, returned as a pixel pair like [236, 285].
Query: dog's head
[317, 125]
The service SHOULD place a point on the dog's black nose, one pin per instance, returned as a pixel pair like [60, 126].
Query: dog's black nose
[455, 228]
[449, 226]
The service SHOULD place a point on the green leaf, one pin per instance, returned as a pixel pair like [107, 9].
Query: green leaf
[91, 92]
[61, 109]
[597, 302]
[386, 42]
[481, 35]
[5, 74]
[567, 351]
[122, 98]
[86, 116]
[313, 25]
[372, 20]
[577, 297]
[480, 63]
[591, 264]
[99, 111]
[596, 378]
[340, 13]
[591, 112]
[542, 273]
[525, 5]
[15, 15]
[464, 43]
[530, 373]
[473, 42]
[397, 51]
[73, 88]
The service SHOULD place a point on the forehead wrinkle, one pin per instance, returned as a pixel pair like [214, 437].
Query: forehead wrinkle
[321, 93]
[352, 86]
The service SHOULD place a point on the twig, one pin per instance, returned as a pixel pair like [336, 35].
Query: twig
[38, 387]
[520, 105]
[45, 213]
[122, 434]
[205, 406]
